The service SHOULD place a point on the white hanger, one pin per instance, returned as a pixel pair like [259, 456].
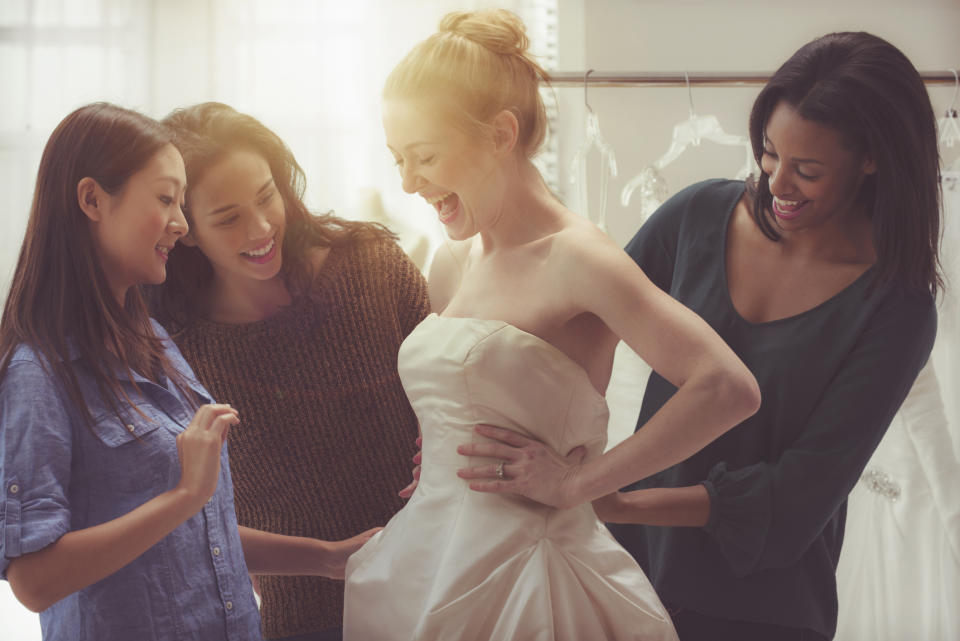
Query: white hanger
[691, 132]
[578, 168]
[949, 126]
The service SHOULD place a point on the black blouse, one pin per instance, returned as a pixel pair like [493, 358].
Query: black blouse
[832, 379]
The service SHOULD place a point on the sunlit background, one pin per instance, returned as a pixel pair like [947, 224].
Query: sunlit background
[312, 70]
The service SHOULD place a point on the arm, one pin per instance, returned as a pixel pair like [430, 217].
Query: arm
[768, 514]
[666, 506]
[269, 553]
[715, 390]
[408, 288]
[43, 562]
[83, 557]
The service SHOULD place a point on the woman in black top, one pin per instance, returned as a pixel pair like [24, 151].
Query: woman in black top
[821, 276]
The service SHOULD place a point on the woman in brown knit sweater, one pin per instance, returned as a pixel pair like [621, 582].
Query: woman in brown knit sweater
[296, 321]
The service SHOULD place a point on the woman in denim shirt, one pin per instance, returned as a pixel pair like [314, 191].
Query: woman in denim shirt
[118, 518]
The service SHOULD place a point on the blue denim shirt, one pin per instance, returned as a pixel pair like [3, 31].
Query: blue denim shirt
[57, 476]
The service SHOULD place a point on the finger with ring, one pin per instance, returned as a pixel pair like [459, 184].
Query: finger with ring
[500, 474]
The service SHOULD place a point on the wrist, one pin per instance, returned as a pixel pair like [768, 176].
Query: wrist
[573, 489]
[187, 501]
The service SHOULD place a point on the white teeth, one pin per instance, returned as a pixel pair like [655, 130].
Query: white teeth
[435, 199]
[787, 203]
[263, 251]
[163, 250]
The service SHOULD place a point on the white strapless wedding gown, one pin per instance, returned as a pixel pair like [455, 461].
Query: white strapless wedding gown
[459, 565]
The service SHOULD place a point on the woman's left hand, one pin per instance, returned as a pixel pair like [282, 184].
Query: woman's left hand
[527, 467]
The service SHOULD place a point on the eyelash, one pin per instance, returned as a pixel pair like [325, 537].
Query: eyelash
[767, 152]
[423, 161]
[228, 221]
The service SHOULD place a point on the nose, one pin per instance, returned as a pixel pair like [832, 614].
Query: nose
[260, 226]
[411, 180]
[178, 224]
[779, 184]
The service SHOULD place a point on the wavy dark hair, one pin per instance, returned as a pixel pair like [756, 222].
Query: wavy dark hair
[205, 134]
[59, 302]
[866, 89]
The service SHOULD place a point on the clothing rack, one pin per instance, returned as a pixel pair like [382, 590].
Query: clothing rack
[699, 78]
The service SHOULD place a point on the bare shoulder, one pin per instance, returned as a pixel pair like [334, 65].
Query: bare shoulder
[446, 271]
[582, 246]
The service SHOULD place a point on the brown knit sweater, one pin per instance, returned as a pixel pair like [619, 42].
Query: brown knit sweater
[326, 432]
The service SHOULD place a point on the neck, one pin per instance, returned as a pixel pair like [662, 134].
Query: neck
[523, 211]
[247, 302]
[847, 238]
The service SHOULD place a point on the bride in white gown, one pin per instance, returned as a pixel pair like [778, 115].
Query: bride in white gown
[503, 543]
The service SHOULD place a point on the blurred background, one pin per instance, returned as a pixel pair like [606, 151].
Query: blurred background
[312, 70]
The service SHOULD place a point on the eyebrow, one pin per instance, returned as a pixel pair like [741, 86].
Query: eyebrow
[220, 210]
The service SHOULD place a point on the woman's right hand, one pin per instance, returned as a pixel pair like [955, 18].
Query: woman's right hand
[198, 448]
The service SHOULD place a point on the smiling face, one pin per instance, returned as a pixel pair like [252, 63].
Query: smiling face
[238, 219]
[442, 163]
[814, 177]
[135, 228]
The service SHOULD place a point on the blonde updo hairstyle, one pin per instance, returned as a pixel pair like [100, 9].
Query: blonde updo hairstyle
[476, 66]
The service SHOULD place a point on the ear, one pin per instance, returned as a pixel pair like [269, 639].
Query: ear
[869, 167]
[506, 130]
[92, 198]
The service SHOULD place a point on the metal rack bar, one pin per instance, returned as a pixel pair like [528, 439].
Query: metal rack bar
[699, 78]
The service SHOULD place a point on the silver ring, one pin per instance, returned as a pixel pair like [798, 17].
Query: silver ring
[500, 475]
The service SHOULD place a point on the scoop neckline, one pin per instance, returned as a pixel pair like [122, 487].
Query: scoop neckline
[776, 321]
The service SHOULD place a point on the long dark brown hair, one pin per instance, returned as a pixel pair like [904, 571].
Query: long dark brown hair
[869, 92]
[205, 134]
[59, 303]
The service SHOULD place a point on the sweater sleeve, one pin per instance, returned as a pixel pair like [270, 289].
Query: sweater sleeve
[409, 288]
[768, 514]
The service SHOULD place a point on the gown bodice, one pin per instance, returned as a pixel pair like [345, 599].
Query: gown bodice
[459, 372]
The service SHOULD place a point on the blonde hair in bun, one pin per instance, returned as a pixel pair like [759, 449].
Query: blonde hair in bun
[477, 64]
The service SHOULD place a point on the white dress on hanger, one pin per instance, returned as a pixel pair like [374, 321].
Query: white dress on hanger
[460, 565]
[899, 571]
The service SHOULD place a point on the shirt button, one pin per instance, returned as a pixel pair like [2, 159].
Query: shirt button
[229, 605]
[130, 428]
[14, 488]
[216, 551]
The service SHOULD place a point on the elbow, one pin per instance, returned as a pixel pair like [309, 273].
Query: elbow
[31, 598]
[748, 394]
[30, 594]
[737, 391]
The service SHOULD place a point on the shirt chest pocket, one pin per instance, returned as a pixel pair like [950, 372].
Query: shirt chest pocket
[131, 454]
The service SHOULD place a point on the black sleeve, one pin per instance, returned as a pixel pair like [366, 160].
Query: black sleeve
[767, 515]
[654, 246]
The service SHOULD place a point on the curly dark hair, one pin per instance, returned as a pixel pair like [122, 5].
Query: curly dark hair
[205, 133]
